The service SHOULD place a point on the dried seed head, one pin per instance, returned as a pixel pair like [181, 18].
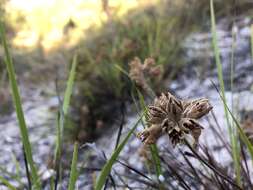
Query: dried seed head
[174, 117]
[155, 71]
[148, 63]
[139, 72]
[136, 72]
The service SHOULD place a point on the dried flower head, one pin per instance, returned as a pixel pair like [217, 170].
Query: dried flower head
[139, 72]
[174, 117]
[148, 63]
[136, 72]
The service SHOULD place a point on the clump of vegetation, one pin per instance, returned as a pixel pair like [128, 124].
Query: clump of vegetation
[156, 31]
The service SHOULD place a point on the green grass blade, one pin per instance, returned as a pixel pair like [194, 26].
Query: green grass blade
[73, 172]
[66, 103]
[251, 41]
[62, 113]
[19, 110]
[153, 148]
[233, 139]
[143, 105]
[243, 136]
[107, 167]
[12, 176]
[235, 136]
[70, 84]
[17, 166]
[241, 132]
[6, 183]
[217, 53]
[121, 69]
[157, 161]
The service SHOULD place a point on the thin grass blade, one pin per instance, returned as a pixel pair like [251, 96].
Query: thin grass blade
[232, 132]
[73, 172]
[217, 55]
[70, 83]
[17, 167]
[240, 130]
[243, 136]
[121, 69]
[108, 166]
[153, 148]
[251, 41]
[19, 110]
[61, 117]
[6, 183]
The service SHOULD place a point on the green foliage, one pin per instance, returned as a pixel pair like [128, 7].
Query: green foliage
[73, 171]
[19, 111]
[70, 84]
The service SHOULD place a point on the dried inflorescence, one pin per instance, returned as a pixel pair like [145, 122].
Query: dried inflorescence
[175, 117]
[140, 72]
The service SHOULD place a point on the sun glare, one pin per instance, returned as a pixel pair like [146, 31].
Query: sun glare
[49, 22]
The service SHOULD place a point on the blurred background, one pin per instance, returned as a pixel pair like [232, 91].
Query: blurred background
[106, 35]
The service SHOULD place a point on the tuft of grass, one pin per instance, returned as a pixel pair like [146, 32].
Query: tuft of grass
[19, 111]
[108, 166]
[73, 171]
[232, 132]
